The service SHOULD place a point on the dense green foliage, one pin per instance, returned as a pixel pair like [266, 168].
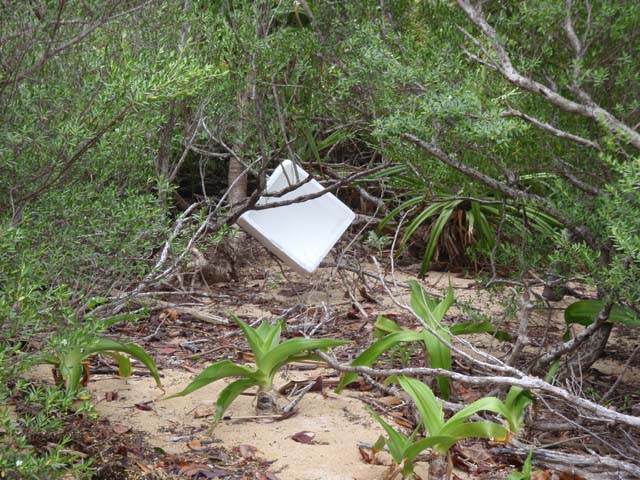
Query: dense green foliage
[116, 115]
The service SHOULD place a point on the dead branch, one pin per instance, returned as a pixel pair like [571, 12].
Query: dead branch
[524, 312]
[593, 466]
[596, 411]
[51, 53]
[543, 362]
[575, 181]
[146, 301]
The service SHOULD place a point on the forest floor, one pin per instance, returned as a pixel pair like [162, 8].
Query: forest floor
[140, 435]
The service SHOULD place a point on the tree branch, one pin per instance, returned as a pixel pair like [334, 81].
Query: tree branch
[579, 230]
[526, 381]
[591, 111]
[551, 129]
[570, 346]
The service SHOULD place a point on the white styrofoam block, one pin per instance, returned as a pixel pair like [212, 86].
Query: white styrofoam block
[300, 234]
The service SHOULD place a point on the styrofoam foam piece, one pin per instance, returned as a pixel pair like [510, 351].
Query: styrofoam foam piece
[300, 234]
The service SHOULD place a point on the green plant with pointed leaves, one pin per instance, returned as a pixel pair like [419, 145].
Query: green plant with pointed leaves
[526, 473]
[585, 312]
[69, 361]
[458, 224]
[270, 355]
[431, 312]
[441, 434]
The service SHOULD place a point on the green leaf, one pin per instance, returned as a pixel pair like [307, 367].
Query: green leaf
[428, 405]
[270, 334]
[256, 342]
[516, 476]
[102, 345]
[397, 443]
[486, 235]
[585, 312]
[230, 393]
[422, 304]
[418, 220]
[385, 326]
[434, 235]
[439, 357]
[466, 328]
[392, 214]
[371, 354]
[516, 402]
[311, 143]
[124, 365]
[107, 346]
[439, 443]
[284, 352]
[443, 306]
[217, 371]
[485, 429]
[491, 404]
[96, 302]
[72, 374]
[125, 317]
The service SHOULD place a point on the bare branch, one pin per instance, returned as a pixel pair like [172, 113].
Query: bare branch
[493, 63]
[590, 466]
[571, 33]
[524, 312]
[526, 381]
[575, 181]
[570, 346]
[51, 53]
[550, 128]
[588, 110]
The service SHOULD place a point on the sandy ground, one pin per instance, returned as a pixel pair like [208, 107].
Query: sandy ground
[337, 421]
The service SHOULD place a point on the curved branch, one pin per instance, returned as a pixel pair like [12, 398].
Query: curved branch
[580, 230]
[588, 110]
[526, 381]
[551, 129]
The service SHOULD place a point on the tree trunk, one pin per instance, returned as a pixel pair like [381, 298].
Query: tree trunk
[237, 181]
[586, 354]
[163, 160]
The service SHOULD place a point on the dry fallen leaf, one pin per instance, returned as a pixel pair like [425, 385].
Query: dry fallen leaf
[203, 411]
[562, 476]
[120, 428]
[196, 445]
[169, 314]
[390, 401]
[202, 471]
[247, 451]
[146, 406]
[367, 296]
[265, 476]
[544, 476]
[365, 455]
[167, 350]
[190, 369]
[303, 437]
[402, 421]
[145, 469]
